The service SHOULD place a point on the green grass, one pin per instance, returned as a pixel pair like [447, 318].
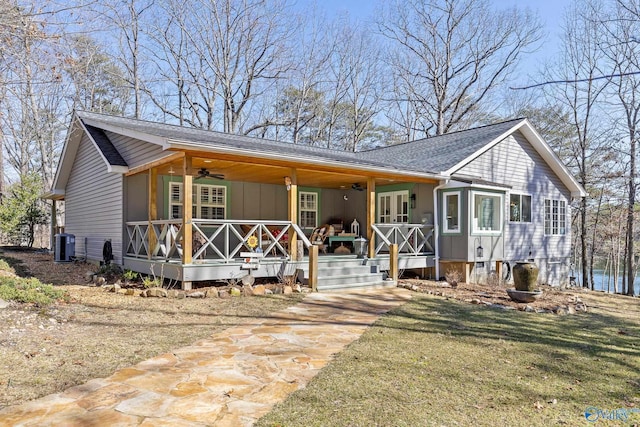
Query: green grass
[28, 291]
[446, 363]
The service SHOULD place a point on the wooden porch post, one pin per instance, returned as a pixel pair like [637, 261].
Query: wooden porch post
[54, 224]
[313, 267]
[371, 215]
[152, 209]
[393, 262]
[187, 210]
[292, 208]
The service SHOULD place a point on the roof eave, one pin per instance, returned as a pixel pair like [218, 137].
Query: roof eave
[188, 145]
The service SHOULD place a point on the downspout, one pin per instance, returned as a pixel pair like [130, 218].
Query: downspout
[436, 227]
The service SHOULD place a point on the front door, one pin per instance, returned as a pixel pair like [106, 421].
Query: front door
[393, 207]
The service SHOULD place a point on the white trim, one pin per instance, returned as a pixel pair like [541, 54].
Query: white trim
[300, 209]
[517, 193]
[445, 228]
[197, 203]
[393, 213]
[559, 222]
[473, 229]
[543, 149]
[143, 136]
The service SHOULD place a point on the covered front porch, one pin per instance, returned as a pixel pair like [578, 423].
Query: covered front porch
[269, 216]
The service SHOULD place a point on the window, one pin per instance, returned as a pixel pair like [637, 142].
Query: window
[487, 212]
[520, 208]
[308, 205]
[451, 212]
[393, 206]
[555, 217]
[209, 201]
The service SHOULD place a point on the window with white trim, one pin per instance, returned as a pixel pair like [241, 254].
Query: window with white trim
[451, 212]
[555, 217]
[308, 207]
[519, 208]
[208, 201]
[487, 212]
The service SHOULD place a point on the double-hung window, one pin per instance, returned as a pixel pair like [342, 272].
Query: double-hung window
[451, 212]
[555, 217]
[208, 202]
[308, 206]
[519, 208]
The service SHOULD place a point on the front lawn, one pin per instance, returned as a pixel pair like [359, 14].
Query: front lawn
[447, 363]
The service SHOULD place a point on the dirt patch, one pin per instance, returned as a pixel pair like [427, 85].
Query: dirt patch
[553, 299]
[48, 349]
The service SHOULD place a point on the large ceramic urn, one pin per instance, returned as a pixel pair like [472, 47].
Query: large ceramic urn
[525, 276]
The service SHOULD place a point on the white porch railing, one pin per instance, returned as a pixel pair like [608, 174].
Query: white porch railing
[412, 239]
[219, 240]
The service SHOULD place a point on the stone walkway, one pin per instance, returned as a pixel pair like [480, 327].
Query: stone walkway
[230, 379]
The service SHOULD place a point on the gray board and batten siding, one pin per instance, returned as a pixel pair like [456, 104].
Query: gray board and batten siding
[94, 204]
[515, 162]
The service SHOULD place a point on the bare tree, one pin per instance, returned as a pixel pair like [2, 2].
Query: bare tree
[452, 54]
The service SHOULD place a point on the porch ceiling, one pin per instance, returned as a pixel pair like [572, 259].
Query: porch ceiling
[257, 170]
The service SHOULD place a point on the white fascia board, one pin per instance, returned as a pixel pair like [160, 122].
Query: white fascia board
[70, 148]
[147, 137]
[482, 150]
[543, 149]
[186, 145]
[110, 167]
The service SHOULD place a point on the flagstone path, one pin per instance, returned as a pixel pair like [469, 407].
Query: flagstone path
[230, 379]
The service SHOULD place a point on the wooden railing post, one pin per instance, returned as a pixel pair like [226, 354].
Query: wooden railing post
[371, 215]
[152, 210]
[313, 267]
[187, 211]
[393, 262]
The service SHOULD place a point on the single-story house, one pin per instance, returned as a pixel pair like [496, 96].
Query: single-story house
[474, 201]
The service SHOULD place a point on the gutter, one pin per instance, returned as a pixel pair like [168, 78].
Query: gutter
[436, 227]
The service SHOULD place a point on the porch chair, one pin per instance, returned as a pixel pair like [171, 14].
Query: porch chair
[319, 235]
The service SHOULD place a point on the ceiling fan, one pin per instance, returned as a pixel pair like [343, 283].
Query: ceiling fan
[204, 173]
[356, 186]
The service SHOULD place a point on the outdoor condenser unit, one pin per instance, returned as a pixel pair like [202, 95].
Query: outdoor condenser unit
[65, 247]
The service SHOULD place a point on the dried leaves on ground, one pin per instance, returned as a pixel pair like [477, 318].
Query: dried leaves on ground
[46, 349]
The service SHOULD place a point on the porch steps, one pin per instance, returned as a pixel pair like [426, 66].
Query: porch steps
[346, 273]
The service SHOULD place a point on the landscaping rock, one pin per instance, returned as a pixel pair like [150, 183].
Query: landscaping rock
[561, 311]
[476, 301]
[122, 291]
[211, 293]
[247, 290]
[581, 307]
[259, 290]
[111, 288]
[224, 294]
[287, 290]
[235, 292]
[99, 281]
[277, 290]
[197, 294]
[130, 292]
[157, 292]
[3, 304]
[529, 309]
[297, 288]
[268, 292]
[571, 310]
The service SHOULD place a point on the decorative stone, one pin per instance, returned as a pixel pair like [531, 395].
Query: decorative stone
[523, 296]
[100, 280]
[197, 294]
[297, 288]
[561, 311]
[571, 310]
[3, 304]
[277, 290]
[157, 292]
[247, 290]
[581, 307]
[224, 294]
[287, 290]
[235, 292]
[122, 291]
[475, 301]
[529, 309]
[259, 290]
[130, 292]
[211, 293]
[268, 292]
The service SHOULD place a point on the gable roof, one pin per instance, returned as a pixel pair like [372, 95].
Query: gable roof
[435, 158]
[439, 154]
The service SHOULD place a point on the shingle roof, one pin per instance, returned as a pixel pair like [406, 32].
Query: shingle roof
[213, 138]
[430, 155]
[108, 150]
[440, 153]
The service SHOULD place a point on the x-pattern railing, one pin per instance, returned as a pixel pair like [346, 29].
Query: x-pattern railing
[414, 239]
[220, 240]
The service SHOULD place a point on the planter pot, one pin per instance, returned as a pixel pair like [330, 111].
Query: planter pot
[525, 276]
[524, 296]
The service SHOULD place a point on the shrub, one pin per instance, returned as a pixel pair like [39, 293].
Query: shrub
[130, 275]
[4, 265]
[28, 290]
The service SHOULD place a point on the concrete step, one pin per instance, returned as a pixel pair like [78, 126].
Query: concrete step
[349, 279]
[360, 285]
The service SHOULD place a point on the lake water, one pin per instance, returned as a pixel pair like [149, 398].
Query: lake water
[600, 282]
